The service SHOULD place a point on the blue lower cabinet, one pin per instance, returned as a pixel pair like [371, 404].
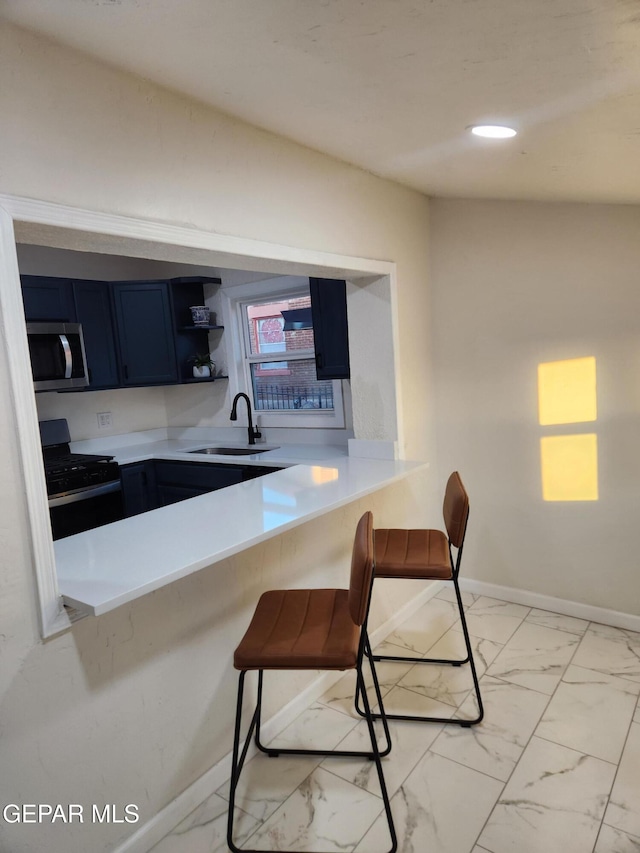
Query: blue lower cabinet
[178, 481]
[148, 485]
[138, 488]
[172, 494]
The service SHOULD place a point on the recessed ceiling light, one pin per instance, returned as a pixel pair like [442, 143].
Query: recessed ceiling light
[493, 131]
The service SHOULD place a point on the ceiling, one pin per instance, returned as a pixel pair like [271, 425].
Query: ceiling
[392, 85]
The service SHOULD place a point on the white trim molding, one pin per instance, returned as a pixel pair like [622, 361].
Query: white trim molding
[46, 223]
[53, 617]
[230, 251]
[589, 612]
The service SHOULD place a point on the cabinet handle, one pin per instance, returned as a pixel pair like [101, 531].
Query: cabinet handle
[319, 361]
[125, 372]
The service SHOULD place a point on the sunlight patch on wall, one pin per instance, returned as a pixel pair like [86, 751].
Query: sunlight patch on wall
[569, 467]
[569, 463]
[567, 391]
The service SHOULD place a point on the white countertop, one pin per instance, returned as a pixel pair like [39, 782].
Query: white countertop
[179, 449]
[103, 568]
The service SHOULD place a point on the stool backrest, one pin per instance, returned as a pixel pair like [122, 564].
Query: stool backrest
[361, 569]
[455, 509]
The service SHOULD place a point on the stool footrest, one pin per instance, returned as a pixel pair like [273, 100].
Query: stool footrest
[413, 719]
[441, 661]
[274, 753]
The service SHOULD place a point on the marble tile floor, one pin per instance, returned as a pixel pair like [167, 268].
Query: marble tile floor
[554, 766]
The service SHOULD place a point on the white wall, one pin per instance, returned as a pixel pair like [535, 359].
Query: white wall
[515, 285]
[134, 706]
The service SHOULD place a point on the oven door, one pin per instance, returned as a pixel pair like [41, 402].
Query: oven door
[84, 509]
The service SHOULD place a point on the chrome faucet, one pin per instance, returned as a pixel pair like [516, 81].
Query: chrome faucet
[254, 432]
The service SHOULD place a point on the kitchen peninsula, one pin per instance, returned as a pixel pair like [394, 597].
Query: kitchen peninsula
[101, 569]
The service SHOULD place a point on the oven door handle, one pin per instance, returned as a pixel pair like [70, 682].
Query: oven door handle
[85, 493]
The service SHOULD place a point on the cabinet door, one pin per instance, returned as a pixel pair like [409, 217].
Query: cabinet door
[330, 328]
[178, 481]
[171, 494]
[138, 488]
[93, 310]
[145, 333]
[47, 299]
[250, 472]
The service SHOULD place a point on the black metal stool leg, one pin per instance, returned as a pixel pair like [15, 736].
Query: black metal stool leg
[236, 764]
[367, 651]
[465, 723]
[376, 686]
[376, 753]
[474, 674]
[258, 742]
[238, 758]
[275, 751]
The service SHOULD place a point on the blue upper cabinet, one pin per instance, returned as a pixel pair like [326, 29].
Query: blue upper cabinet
[135, 332]
[47, 299]
[145, 333]
[93, 309]
[330, 328]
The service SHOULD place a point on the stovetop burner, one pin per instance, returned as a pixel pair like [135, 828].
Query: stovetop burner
[63, 459]
[66, 471]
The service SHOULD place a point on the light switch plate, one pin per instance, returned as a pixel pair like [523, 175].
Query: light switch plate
[104, 420]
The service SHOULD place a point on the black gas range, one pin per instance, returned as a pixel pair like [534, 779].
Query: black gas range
[72, 472]
[84, 490]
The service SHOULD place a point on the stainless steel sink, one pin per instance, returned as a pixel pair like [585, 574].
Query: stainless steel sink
[232, 451]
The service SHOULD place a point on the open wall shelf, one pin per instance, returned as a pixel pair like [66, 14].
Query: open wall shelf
[203, 380]
[198, 328]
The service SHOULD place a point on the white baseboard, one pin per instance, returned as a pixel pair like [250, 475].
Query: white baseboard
[590, 612]
[154, 830]
[161, 824]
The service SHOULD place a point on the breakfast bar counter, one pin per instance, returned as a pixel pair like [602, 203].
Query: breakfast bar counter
[101, 569]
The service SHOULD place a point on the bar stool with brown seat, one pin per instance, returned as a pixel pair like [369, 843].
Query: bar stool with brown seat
[315, 629]
[428, 555]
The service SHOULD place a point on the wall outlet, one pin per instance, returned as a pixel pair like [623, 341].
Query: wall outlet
[105, 420]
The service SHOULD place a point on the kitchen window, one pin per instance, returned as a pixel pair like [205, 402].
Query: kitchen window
[276, 358]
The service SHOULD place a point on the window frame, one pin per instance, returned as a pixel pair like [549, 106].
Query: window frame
[255, 323]
[235, 300]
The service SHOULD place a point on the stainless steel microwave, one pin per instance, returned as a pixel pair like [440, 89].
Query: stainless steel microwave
[58, 359]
